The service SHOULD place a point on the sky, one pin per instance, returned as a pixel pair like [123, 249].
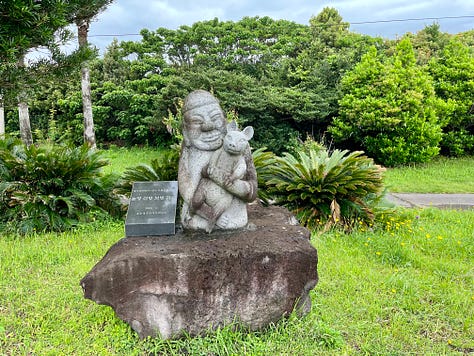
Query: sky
[125, 18]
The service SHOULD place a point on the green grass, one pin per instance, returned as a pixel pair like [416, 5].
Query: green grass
[443, 175]
[122, 158]
[406, 289]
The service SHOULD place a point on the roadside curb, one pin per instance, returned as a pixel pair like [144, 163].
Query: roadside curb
[441, 201]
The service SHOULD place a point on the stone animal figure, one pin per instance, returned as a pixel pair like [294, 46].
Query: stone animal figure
[226, 165]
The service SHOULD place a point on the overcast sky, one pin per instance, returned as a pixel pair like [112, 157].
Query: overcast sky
[130, 16]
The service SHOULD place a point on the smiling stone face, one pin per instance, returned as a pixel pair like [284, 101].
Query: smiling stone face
[204, 122]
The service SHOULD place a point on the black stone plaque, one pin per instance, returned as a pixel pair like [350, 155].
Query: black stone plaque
[152, 209]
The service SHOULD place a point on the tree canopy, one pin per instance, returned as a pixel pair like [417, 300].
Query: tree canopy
[388, 108]
[27, 24]
[396, 99]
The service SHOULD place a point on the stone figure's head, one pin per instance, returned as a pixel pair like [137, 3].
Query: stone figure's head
[235, 141]
[204, 123]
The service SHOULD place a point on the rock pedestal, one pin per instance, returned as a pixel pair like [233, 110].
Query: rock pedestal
[192, 282]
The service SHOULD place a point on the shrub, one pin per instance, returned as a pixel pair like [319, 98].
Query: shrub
[52, 188]
[457, 143]
[318, 186]
[308, 144]
[388, 109]
[453, 74]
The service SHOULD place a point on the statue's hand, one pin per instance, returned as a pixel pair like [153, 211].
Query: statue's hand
[239, 188]
[228, 181]
[212, 173]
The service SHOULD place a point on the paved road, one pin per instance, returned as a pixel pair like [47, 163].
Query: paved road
[446, 201]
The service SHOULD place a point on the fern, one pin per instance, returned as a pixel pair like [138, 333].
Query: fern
[263, 161]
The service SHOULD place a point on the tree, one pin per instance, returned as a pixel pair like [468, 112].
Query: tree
[428, 43]
[331, 51]
[240, 62]
[453, 74]
[250, 45]
[328, 28]
[23, 114]
[26, 24]
[114, 68]
[82, 13]
[389, 109]
[467, 39]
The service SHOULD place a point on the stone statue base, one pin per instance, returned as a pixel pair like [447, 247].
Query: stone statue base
[193, 282]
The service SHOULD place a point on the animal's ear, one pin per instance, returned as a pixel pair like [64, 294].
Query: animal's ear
[248, 132]
[232, 126]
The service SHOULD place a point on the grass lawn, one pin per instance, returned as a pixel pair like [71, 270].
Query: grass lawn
[404, 289]
[443, 175]
[122, 158]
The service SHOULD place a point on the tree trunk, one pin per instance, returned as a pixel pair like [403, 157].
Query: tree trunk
[89, 134]
[2, 118]
[25, 127]
[23, 114]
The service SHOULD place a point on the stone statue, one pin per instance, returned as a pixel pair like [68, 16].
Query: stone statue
[177, 286]
[217, 177]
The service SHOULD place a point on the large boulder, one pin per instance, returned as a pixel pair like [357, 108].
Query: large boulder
[192, 282]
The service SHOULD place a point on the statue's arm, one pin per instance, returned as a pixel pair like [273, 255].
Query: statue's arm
[185, 182]
[246, 188]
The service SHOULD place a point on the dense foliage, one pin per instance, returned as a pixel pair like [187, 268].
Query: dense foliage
[389, 109]
[404, 102]
[52, 187]
[453, 73]
[27, 24]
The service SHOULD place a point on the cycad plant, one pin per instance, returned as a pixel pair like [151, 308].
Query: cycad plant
[327, 188]
[52, 187]
[264, 162]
